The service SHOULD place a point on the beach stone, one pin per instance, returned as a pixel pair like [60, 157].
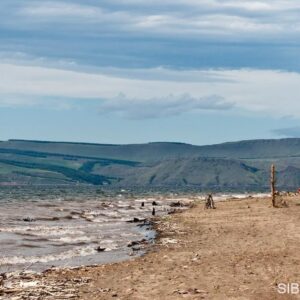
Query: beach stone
[136, 220]
[100, 249]
[136, 248]
[176, 204]
[166, 241]
[134, 243]
[28, 219]
[105, 290]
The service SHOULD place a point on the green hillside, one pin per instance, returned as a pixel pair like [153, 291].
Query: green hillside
[230, 166]
[162, 150]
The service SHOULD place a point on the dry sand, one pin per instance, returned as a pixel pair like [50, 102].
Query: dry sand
[241, 250]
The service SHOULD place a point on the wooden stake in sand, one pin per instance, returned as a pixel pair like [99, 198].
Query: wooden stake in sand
[153, 211]
[273, 189]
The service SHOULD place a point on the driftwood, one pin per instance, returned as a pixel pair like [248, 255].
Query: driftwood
[30, 285]
[209, 202]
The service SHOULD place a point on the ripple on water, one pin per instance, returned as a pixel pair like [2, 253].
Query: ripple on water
[67, 233]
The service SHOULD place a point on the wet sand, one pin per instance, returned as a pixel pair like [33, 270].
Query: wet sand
[241, 250]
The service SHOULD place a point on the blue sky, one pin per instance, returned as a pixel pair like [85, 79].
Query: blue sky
[134, 71]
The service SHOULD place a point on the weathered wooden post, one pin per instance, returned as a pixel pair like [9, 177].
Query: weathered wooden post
[273, 189]
[153, 211]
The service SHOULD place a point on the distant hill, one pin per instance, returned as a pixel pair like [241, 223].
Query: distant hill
[163, 150]
[242, 165]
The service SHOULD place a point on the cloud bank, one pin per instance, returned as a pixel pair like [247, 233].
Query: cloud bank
[208, 17]
[144, 34]
[292, 132]
[260, 91]
[226, 61]
[170, 105]
[167, 57]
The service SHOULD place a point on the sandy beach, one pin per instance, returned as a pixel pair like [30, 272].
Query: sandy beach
[241, 250]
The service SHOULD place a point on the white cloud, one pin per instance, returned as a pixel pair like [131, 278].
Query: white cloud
[60, 9]
[245, 4]
[61, 12]
[170, 105]
[267, 91]
[178, 17]
[293, 132]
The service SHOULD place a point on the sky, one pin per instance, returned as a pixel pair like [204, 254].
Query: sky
[137, 71]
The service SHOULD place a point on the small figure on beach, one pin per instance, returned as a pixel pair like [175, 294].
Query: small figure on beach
[209, 202]
[143, 204]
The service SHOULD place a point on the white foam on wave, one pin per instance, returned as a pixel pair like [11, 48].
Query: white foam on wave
[72, 239]
[95, 225]
[240, 196]
[261, 195]
[45, 230]
[75, 252]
